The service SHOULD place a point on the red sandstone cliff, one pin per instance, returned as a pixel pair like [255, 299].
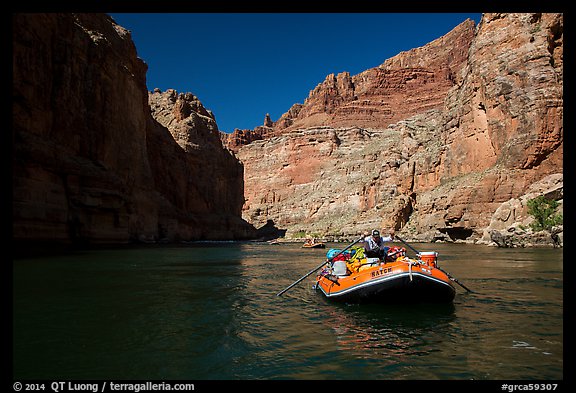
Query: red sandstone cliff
[90, 164]
[443, 141]
[502, 126]
[402, 86]
[450, 132]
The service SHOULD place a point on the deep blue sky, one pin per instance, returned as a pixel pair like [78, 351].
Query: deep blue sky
[242, 66]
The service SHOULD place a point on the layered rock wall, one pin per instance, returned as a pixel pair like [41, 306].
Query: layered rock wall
[438, 142]
[192, 170]
[489, 127]
[502, 126]
[405, 85]
[90, 164]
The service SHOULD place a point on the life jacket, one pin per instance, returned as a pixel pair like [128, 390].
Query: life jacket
[356, 260]
[394, 253]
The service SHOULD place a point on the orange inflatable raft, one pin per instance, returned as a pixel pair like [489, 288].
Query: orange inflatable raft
[397, 279]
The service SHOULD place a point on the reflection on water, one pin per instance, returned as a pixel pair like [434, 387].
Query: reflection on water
[389, 333]
[211, 312]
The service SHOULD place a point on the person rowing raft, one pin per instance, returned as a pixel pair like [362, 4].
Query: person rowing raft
[375, 245]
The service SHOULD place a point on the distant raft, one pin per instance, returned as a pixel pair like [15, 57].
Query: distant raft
[313, 245]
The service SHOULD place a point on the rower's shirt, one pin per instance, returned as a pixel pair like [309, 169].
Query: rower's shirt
[371, 244]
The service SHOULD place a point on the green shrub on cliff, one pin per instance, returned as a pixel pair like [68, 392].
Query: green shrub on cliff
[544, 212]
[299, 235]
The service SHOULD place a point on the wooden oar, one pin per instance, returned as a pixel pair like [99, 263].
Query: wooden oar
[316, 268]
[442, 270]
[407, 245]
[454, 279]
